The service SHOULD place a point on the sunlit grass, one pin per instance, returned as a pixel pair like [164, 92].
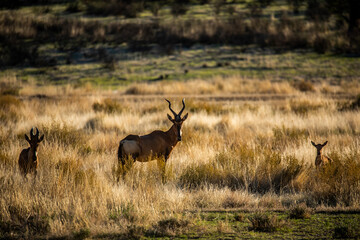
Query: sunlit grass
[234, 154]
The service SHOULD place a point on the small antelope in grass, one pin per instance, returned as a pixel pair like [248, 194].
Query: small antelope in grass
[157, 144]
[28, 160]
[321, 160]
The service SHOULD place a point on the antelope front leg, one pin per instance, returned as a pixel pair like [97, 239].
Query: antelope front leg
[161, 162]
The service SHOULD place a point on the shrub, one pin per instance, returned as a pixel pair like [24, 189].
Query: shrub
[9, 108]
[110, 63]
[199, 176]
[154, 8]
[124, 211]
[305, 86]
[82, 234]
[179, 7]
[108, 106]
[322, 44]
[299, 212]
[210, 108]
[218, 5]
[7, 101]
[352, 105]
[263, 222]
[303, 107]
[276, 173]
[283, 136]
[73, 7]
[168, 227]
[232, 202]
[344, 232]
[65, 135]
[239, 217]
[129, 9]
[9, 90]
[94, 124]
[22, 222]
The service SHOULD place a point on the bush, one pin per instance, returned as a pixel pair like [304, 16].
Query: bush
[9, 108]
[22, 222]
[322, 44]
[168, 227]
[154, 8]
[82, 234]
[129, 9]
[299, 212]
[305, 86]
[283, 136]
[303, 107]
[344, 232]
[108, 106]
[94, 124]
[65, 135]
[210, 108]
[9, 90]
[73, 7]
[352, 105]
[218, 5]
[263, 222]
[178, 8]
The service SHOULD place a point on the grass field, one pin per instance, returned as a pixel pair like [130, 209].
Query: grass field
[245, 167]
[247, 152]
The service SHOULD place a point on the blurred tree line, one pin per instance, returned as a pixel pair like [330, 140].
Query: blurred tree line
[318, 10]
[334, 25]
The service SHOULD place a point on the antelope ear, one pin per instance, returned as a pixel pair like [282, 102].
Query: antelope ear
[41, 138]
[313, 143]
[169, 117]
[325, 143]
[27, 138]
[185, 117]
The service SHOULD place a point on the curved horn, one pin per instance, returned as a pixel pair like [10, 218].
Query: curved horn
[170, 108]
[31, 132]
[183, 102]
[37, 132]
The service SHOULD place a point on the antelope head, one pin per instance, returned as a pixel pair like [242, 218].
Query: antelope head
[319, 147]
[177, 120]
[34, 141]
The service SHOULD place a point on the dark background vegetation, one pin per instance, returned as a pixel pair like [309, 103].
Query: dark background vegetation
[319, 25]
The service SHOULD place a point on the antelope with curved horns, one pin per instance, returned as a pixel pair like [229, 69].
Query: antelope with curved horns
[28, 160]
[321, 160]
[157, 144]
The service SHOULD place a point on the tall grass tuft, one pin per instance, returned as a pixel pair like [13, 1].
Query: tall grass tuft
[336, 183]
[108, 106]
[299, 212]
[263, 222]
[64, 135]
[239, 169]
[169, 227]
[9, 108]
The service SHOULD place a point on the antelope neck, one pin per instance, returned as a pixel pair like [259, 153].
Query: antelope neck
[172, 133]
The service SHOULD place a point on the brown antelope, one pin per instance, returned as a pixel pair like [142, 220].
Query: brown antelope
[157, 144]
[321, 160]
[28, 160]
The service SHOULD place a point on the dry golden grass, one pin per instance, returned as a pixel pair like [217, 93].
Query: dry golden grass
[251, 155]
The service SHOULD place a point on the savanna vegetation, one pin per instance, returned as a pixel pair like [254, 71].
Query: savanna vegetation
[253, 156]
[261, 80]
